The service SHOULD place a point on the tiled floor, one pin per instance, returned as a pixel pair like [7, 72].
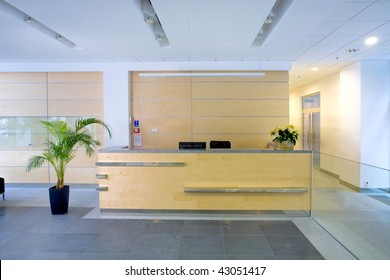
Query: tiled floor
[29, 231]
[33, 233]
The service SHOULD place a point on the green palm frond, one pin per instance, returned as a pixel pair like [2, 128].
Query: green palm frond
[63, 144]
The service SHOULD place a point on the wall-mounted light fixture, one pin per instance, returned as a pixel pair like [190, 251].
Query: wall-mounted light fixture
[202, 74]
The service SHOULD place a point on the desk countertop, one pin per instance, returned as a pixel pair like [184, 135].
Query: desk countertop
[117, 149]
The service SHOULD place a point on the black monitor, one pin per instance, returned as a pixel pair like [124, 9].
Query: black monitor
[220, 144]
[192, 145]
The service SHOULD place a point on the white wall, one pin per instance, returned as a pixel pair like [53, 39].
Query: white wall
[375, 124]
[350, 112]
[116, 106]
[355, 122]
[375, 113]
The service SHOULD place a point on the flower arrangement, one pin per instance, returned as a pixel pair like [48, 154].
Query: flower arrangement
[285, 134]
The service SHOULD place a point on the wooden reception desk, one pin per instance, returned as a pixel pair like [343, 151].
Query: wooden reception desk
[204, 179]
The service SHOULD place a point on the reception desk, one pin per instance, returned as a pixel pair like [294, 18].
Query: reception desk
[204, 179]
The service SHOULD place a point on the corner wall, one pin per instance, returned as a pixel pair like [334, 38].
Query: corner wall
[355, 127]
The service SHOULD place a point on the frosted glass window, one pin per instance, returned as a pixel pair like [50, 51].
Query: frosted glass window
[311, 102]
[24, 132]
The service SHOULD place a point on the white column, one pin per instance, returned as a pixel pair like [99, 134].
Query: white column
[116, 105]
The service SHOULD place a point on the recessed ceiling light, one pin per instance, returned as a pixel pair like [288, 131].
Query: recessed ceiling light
[354, 50]
[371, 41]
[314, 69]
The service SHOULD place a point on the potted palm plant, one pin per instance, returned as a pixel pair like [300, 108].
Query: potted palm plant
[62, 146]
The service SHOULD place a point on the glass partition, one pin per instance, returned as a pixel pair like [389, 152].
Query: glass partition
[20, 132]
[26, 132]
[351, 201]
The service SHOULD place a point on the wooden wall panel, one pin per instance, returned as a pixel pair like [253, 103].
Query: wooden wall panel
[18, 174]
[164, 141]
[244, 109]
[75, 77]
[23, 77]
[161, 108]
[240, 90]
[166, 125]
[79, 108]
[167, 90]
[31, 108]
[240, 108]
[77, 175]
[23, 91]
[75, 91]
[16, 157]
[49, 94]
[240, 125]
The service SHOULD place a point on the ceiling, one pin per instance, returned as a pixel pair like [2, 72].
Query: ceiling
[312, 33]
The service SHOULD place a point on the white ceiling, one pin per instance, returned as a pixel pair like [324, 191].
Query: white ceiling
[311, 33]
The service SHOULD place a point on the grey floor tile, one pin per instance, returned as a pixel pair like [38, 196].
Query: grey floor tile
[241, 227]
[245, 244]
[202, 227]
[113, 243]
[156, 244]
[279, 227]
[152, 257]
[202, 245]
[299, 257]
[201, 257]
[164, 226]
[132, 227]
[293, 245]
[244, 257]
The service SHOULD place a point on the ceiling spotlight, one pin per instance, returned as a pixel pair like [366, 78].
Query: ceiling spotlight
[59, 37]
[149, 20]
[354, 50]
[371, 41]
[314, 69]
[268, 20]
[29, 20]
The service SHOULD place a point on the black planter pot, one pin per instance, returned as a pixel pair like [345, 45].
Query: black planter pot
[59, 200]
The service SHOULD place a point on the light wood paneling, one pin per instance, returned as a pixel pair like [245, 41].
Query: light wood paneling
[240, 90]
[237, 125]
[215, 105]
[23, 91]
[166, 125]
[16, 157]
[63, 94]
[31, 108]
[161, 108]
[81, 107]
[164, 141]
[75, 77]
[77, 175]
[166, 90]
[240, 108]
[18, 174]
[22, 77]
[163, 187]
[76, 91]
